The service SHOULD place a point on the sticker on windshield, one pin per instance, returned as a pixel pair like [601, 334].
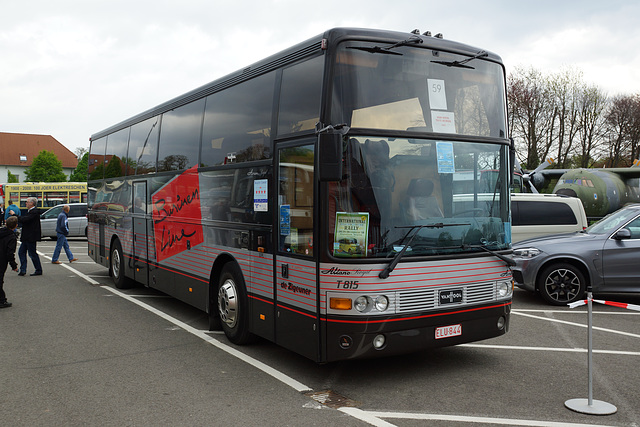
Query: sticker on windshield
[352, 232]
[437, 96]
[445, 157]
[443, 122]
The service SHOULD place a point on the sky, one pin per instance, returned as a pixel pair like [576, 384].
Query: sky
[71, 68]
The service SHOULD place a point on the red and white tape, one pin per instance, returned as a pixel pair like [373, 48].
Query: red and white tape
[611, 303]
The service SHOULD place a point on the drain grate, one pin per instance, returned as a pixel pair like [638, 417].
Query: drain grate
[331, 399]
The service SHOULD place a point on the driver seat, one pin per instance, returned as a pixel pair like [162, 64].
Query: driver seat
[419, 203]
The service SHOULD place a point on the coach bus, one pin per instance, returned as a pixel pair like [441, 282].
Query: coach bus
[49, 194]
[309, 198]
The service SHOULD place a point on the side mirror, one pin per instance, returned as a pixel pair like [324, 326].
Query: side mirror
[330, 156]
[621, 234]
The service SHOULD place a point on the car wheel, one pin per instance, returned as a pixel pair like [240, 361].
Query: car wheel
[233, 305]
[561, 284]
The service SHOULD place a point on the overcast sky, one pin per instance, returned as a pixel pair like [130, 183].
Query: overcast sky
[72, 68]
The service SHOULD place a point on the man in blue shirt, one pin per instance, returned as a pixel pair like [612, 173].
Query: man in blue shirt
[62, 231]
[13, 208]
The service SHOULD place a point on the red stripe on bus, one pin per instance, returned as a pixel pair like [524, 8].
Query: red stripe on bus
[296, 311]
[414, 317]
[261, 299]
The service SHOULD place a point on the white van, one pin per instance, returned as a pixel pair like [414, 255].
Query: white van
[534, 215]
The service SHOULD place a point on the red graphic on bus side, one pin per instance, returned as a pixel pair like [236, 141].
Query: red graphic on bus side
[177, 218]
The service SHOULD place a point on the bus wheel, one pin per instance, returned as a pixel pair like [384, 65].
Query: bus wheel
[116, 269]
[561, 284]
[233, 305]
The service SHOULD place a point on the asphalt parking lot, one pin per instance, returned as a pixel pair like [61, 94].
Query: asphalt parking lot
[522, 378]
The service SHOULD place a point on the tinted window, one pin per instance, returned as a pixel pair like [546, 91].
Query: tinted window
[77, 211]
[230, 195]
[95, 168]
[115, 158]
[143, 146]
[180, 137]
[237, 123]
[300, 96]
[541, 213]
[634, 228]
[52, 213]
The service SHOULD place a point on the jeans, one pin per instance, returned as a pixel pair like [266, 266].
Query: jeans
[22, 255]
[61, 243]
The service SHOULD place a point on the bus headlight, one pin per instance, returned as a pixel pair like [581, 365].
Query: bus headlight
[361, 304]
[382, 303]
[504, 289]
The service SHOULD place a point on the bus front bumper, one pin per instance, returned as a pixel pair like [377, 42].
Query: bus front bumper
[348, 338]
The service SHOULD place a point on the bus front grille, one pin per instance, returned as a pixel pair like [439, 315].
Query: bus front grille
[427, 299]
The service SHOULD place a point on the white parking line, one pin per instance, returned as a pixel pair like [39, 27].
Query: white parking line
[466, 419]
[574, 311]
[556, 349]
[629, 334]
[371, 417]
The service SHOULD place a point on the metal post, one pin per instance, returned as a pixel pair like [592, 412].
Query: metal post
[590, 406]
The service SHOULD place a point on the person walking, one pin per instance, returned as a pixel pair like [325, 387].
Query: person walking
[62, 231]
[8, 242]
[29, 237]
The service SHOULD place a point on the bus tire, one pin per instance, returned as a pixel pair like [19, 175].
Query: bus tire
[116, 267]
[232, 305]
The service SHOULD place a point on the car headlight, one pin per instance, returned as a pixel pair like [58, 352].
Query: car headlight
[527, 252]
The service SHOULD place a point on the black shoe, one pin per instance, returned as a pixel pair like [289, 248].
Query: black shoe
[22, 273]
[5, 304]
[37, 273]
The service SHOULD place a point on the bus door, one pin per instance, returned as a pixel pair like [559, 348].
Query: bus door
[296, 293]
[140, 236]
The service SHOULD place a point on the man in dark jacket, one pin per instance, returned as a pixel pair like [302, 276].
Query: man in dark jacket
[8, 242]
[29, 237]
[62, 231]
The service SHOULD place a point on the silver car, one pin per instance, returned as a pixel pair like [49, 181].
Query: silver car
[77, 220]
[605, 256]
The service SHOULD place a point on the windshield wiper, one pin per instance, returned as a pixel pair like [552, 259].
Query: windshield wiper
[460, 64]
[396, 259]
[507, 260]
[387, 50]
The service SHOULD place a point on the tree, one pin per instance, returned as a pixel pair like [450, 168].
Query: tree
[529, 99]
[80, 173]
[80, 152]
[591, 123]
[45, 168]
[566, 88]
[11, 178]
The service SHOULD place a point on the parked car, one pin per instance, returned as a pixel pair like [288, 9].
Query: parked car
[606, 256]
[77, 220]
[535, 215]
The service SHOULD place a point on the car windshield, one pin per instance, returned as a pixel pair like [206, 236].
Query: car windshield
[435, 197]
[612, 222]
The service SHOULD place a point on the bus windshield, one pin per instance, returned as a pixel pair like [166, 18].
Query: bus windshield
[419, 90]
[446, 192]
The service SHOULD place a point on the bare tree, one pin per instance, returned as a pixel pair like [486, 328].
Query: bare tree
[528, 96]
[80, 151]
[566, 88]
[592, 104]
